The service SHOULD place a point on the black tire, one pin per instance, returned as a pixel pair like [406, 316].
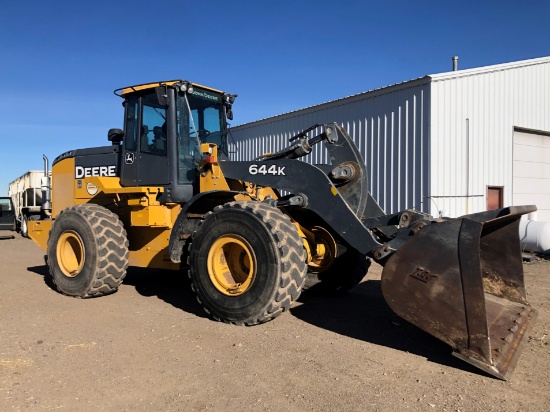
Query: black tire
[346, 272]
[25, 226]
[275, 260]
[87, 251]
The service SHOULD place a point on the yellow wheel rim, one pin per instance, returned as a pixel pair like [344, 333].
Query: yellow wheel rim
[323, 251]
[70, 253]
[231, 265]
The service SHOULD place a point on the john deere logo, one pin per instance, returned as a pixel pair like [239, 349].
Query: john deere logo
[81, 172]
[129, 158]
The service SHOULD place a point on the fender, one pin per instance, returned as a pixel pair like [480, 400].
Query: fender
[185, 225]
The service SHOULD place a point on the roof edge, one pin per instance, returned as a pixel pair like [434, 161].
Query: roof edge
[489, 69]
[401, 86]
[354, 97]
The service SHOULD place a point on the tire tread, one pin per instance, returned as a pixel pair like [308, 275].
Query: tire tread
[112, 248]
[291, 253]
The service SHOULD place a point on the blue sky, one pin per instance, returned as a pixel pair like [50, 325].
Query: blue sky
[62, 59]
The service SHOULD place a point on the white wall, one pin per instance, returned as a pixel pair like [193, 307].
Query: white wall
[492, 101]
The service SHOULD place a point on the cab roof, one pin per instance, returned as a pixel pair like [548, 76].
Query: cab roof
[123, 91]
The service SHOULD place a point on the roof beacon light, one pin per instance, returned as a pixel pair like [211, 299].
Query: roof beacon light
[186, 86]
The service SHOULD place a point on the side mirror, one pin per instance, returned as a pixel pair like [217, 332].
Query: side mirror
[115, 136]
[162, 95]
[228, 111]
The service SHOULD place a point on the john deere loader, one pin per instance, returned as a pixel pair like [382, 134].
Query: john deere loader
[164, 195]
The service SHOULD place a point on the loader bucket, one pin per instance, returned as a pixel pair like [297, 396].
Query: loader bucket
[461, 280]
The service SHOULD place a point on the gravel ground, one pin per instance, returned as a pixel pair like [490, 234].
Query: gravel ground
[149, 347]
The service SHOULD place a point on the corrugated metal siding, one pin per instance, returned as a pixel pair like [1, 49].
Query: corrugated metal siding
[390, 128]
[486, 106]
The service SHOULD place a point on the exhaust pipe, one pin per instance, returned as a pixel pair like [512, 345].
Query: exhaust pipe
[46, 187]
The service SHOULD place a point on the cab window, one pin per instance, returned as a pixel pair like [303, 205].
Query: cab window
[130, 127]
[153, 126]
[5, 204]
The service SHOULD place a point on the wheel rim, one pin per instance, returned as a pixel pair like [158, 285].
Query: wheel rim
[324, 250]
[231, 265]
[70, 254]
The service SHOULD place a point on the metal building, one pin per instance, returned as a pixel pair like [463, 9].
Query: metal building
[453, 143]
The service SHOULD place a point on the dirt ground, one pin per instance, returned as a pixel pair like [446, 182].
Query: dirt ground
[149, 347]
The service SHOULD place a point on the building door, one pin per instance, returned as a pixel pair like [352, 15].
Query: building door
[531, 171]
[495, 197]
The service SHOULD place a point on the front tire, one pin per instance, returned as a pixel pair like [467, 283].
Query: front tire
[246, 263]
[87, 251]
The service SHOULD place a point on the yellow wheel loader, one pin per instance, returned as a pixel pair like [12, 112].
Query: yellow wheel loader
[249, 233]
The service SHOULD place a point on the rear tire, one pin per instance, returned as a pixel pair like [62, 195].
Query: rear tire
[87, 251]
[246, 263]
[346, 272]
[25, 226]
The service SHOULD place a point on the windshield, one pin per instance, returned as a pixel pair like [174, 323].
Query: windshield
[200, 120]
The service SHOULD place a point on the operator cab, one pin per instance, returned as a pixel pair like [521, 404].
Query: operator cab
[164, 126]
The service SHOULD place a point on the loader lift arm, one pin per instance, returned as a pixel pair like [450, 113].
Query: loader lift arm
[337, 193]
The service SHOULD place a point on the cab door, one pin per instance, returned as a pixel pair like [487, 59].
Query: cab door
[128, 164]
[145, 150]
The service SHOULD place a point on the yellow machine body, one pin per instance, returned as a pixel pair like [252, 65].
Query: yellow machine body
[148, 223]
